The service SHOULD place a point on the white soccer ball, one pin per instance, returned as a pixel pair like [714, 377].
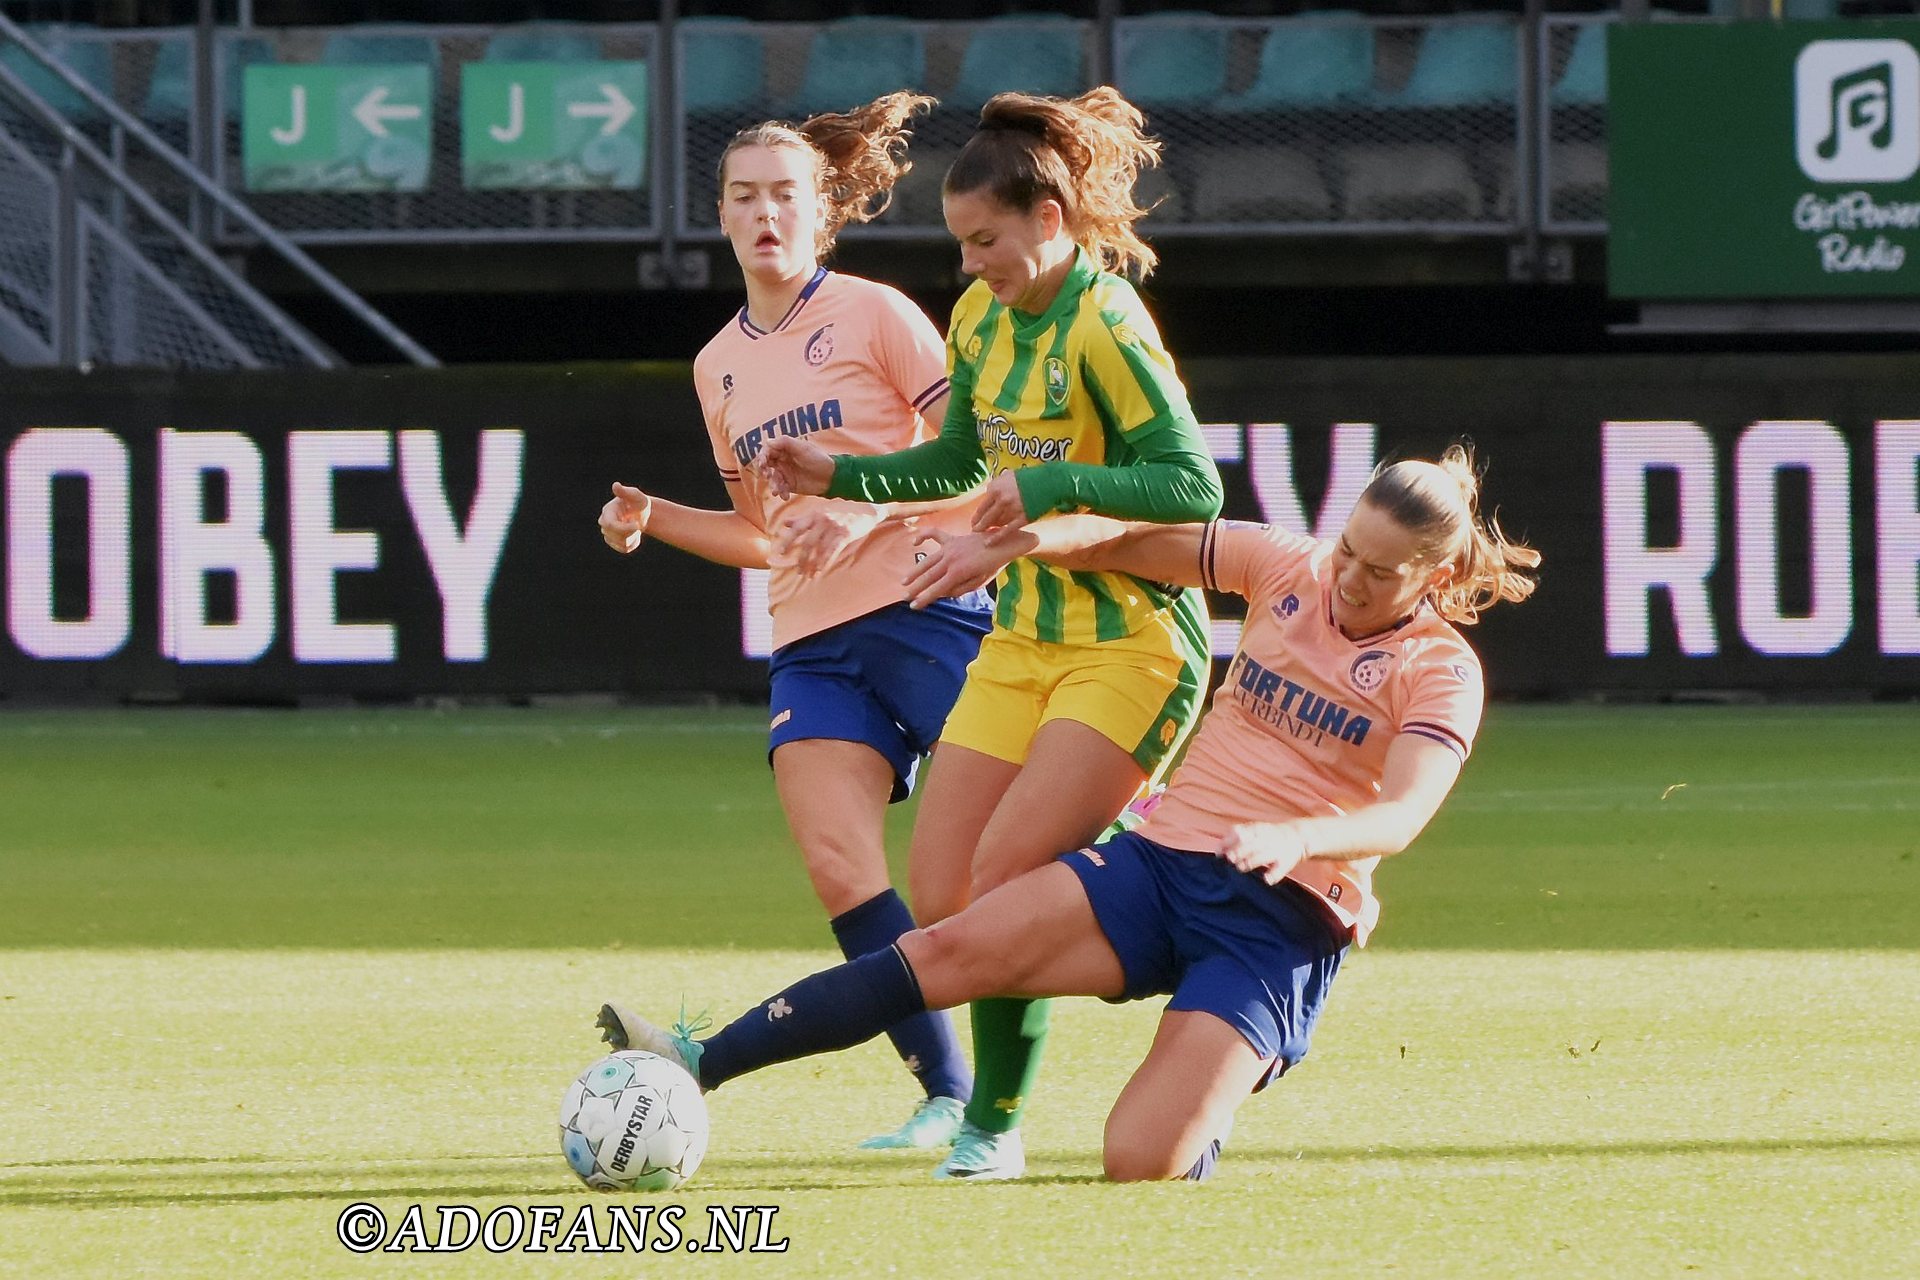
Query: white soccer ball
[633, 1121]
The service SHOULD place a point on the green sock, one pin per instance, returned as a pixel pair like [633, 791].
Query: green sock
[1008, 1035]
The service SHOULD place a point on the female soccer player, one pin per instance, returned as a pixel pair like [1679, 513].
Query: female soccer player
[1338, 731]
[1063, 394]
[860, 683]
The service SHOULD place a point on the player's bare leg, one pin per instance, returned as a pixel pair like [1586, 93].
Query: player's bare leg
[1074, 781]
[1181, 1098]
[962, 790]
[1038, 937]
[835, 795]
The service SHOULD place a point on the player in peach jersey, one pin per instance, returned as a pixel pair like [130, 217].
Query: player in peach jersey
[861, 683]
[1339, 731]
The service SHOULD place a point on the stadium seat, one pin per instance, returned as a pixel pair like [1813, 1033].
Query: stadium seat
[1575, 175]
[368, 48]
[1500, 165]
[1577, 182]
[1172, 60]
[1463, 65]
[1259, 184]
[169, 93]
[91, 60]
[722, 64]
[1408, 183]
[1318, 61]
[1027, 55]
[1583, 81]
[856, 60]
[542, 43]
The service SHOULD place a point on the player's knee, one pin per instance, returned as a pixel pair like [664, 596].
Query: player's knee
[844, 875]
[951, 969]
[936, 894]
[1134, 1153]
[842, 857]
[938, 949]
[1129, 1159]
[991, 869]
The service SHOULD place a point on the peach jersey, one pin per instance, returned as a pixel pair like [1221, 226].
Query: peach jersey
[1301, 724]
[854, 365]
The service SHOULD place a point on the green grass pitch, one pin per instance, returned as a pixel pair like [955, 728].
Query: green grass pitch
[1645, 1001]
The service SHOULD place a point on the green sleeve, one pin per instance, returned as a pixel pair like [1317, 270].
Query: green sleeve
[1158, 467]
[1170, 479]
[949, 464]
[1171, 484]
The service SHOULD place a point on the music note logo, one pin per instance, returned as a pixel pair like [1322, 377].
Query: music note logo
[1857, 110]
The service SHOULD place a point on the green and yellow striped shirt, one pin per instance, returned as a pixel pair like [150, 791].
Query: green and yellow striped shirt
[1083, 404]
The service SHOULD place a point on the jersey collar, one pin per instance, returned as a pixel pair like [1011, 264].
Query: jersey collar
[755, 332]
[1079, 278]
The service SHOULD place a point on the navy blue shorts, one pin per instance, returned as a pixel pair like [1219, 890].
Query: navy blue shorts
[887, 678]
[1259, 957]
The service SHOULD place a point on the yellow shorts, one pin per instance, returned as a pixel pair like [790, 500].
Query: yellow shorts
[1141, 692]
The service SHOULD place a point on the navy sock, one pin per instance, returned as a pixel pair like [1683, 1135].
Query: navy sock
[1203, 1167]
[834, 1009]
[925, 1041]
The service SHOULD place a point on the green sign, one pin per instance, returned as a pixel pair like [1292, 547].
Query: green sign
[344, 128]
[553, 125]
[1762, 160]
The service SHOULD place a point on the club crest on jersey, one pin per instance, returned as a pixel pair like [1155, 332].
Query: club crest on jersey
[1369, 670]
[1056, 381]
[1286, 608]
[820, 346]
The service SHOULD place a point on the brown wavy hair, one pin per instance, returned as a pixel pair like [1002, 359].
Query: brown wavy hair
[1084, 152]
[858, 156]
[1440, 503]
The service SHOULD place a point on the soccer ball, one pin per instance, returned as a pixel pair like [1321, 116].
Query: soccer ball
[633, 1121]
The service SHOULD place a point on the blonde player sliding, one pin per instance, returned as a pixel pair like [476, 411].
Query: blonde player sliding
[860, 683]
[1335, 736]
[1063, 394]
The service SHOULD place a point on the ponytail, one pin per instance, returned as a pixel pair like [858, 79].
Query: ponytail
[1085, 153]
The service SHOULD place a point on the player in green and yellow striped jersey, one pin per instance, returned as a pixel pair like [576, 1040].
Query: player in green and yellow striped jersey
[1063, 400]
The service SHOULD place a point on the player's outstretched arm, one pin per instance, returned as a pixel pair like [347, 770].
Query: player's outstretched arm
[1419, 774]
[1173, 482]
[1168, 553]
[957, 563]
[813, 541]
[946, 466]
[724, 537]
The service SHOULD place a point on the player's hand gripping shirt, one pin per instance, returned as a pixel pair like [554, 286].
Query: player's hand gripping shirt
[851, 367]
[1082, 403]
[1301, 724]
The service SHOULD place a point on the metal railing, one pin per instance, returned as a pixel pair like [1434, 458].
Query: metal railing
[1321, 123]
[1572, 84]
[1324, 123]
[126, 279]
